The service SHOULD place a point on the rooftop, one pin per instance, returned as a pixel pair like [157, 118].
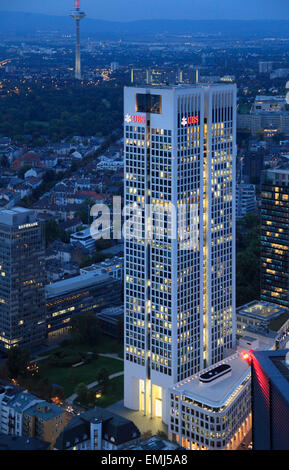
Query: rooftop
[75, 283]
[17, 216]
[276, 99]
[261, 310]
[218, 392]
[276, 367]
[115, 428]
[22, 443]
[45, 410]
[153, 443]
[22, 401]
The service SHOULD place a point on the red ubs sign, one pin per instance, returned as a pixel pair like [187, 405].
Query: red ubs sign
[193, 119]
[134, 118]
[190, 120]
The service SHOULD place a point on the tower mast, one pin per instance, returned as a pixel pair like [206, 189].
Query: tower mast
[77, 15]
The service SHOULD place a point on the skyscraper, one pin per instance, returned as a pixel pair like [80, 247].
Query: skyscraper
[275, 236]
[179, 145]
[22, 296]
[77, 15]
[270, 400]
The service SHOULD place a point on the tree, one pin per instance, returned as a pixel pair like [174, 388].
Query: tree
[52, 231]
[248, 259]
[102, 376]
[85, 329]
[81, 391]
[17, 361]
[84, 211]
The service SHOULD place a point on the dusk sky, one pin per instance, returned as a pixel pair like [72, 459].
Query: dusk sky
[122, 10]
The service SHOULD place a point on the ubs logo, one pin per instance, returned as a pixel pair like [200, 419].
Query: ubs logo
[135, 119]
[190, 120]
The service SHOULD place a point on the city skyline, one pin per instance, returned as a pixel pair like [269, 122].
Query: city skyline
[144, 227]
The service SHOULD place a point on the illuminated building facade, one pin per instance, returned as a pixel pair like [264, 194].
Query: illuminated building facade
[275, 236]
[212, 409]
[270, 400]
[22, 296]
[179, 145]
[87, 293]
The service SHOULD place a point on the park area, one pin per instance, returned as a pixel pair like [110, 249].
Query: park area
[72, 364]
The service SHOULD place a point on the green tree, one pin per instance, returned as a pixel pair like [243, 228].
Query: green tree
[52, 231]
[102, 376]
[84, 211]
[248, 259]
[81, 391]
[17, 361]
[85, 329]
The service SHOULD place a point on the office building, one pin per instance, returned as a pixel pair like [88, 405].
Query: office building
[110, 321]
[85, 239]
[275, 236]
[270, 400]
[212, 409]
[22, 295]
[245, 199]
[268, 115]
[265, 66]
[179, 146]
[112, 266]
[87, 293]
[270, 104]
[257, 313]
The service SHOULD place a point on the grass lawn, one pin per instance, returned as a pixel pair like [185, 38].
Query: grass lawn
[70, 377]
[113, 393]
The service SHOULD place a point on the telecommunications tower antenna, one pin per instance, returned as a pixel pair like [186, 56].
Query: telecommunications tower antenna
[77, 15]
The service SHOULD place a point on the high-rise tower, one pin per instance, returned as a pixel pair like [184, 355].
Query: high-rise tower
[275, 235]
[77, 15]
[22, 278]
[179, 145]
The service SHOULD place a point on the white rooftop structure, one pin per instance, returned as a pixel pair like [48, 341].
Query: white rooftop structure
[216, 393]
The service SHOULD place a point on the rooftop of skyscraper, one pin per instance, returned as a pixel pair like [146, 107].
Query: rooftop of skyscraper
[216, 393]
[16, 216]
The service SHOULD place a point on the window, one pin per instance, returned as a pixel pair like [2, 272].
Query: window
[146, 103]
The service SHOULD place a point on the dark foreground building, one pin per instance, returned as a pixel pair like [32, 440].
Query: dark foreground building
[270, 400]
[97, 429]
[22, 443]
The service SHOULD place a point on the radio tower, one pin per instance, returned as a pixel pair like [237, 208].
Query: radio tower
[77, 15]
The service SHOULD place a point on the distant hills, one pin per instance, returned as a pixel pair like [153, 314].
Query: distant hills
[31, 23]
